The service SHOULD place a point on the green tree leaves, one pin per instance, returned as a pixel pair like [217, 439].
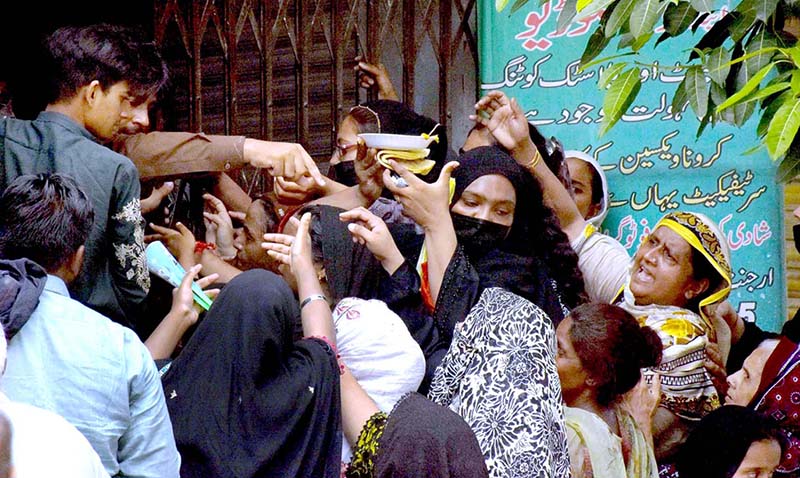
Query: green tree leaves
[621, 92]
[742, 62]
[783, 127]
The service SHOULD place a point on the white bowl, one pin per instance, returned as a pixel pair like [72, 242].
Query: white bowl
[399, 142]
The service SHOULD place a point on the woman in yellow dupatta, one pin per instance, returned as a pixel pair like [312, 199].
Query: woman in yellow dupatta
[672, 295]
[601, 349]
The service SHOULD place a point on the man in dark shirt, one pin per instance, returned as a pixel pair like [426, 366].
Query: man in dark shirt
[95, 73]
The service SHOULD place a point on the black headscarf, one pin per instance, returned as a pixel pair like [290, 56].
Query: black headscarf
[487, 160]
[536, 260]
[350, 268]
[716, 448]
[423, 439]
[245, 401]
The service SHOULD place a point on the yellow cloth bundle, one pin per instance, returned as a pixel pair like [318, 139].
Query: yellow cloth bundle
[413, 160]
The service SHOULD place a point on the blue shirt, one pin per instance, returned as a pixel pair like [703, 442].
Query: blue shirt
[114, 279]
[100, 377]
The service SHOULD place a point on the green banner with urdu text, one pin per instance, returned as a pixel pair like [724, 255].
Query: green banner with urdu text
[653, 160]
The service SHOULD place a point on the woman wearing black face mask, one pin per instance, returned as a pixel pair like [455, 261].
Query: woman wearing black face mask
[504, 237]
[508, 237]
[500, 273]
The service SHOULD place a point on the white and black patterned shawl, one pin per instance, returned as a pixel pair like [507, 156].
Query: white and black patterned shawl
[500, 376]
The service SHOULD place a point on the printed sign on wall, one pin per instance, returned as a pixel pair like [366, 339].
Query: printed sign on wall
[654, 162]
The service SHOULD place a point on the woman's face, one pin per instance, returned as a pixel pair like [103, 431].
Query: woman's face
[346, 141]
[743, 385]
[571, 373]
[662, 271]
[760, 461]
[491, 198]
[581, 174]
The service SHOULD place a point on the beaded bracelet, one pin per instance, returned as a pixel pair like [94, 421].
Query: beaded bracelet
[200, 246]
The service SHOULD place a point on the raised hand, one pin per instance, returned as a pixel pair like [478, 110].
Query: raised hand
[370, 230]
[151, 202]
[642, 403]
[370, 76]
[504, 118]
[219, 227]
[294, 252]
[180, 242]
[368, 172]
[425, 203]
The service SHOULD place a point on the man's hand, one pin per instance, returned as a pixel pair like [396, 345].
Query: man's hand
[288, 160]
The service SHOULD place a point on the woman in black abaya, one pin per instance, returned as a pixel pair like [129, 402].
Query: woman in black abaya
[245, 400]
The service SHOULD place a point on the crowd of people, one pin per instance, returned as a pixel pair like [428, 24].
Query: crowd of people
[468, 321]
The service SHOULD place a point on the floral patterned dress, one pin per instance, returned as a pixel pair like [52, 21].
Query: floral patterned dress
[500, 376]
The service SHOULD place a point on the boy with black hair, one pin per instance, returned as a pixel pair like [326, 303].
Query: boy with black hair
[63, 356]
[95, 73]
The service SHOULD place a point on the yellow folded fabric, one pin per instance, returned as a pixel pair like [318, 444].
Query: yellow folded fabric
[413, 160]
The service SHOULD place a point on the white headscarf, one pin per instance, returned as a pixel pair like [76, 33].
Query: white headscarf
[597, 219]
[379, 351]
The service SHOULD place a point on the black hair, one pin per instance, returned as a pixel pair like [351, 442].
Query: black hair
[270, 219]
[716, 448]
[612, 347]
[76, 56]
[46, 218]
[152, 75]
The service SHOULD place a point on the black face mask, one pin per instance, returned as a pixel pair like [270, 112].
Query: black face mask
[478, 236]
[796, 234]
[344, 173]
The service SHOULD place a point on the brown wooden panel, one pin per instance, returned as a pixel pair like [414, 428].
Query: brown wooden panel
[283, 69]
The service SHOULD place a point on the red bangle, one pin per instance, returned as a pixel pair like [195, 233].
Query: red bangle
[199, 247]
